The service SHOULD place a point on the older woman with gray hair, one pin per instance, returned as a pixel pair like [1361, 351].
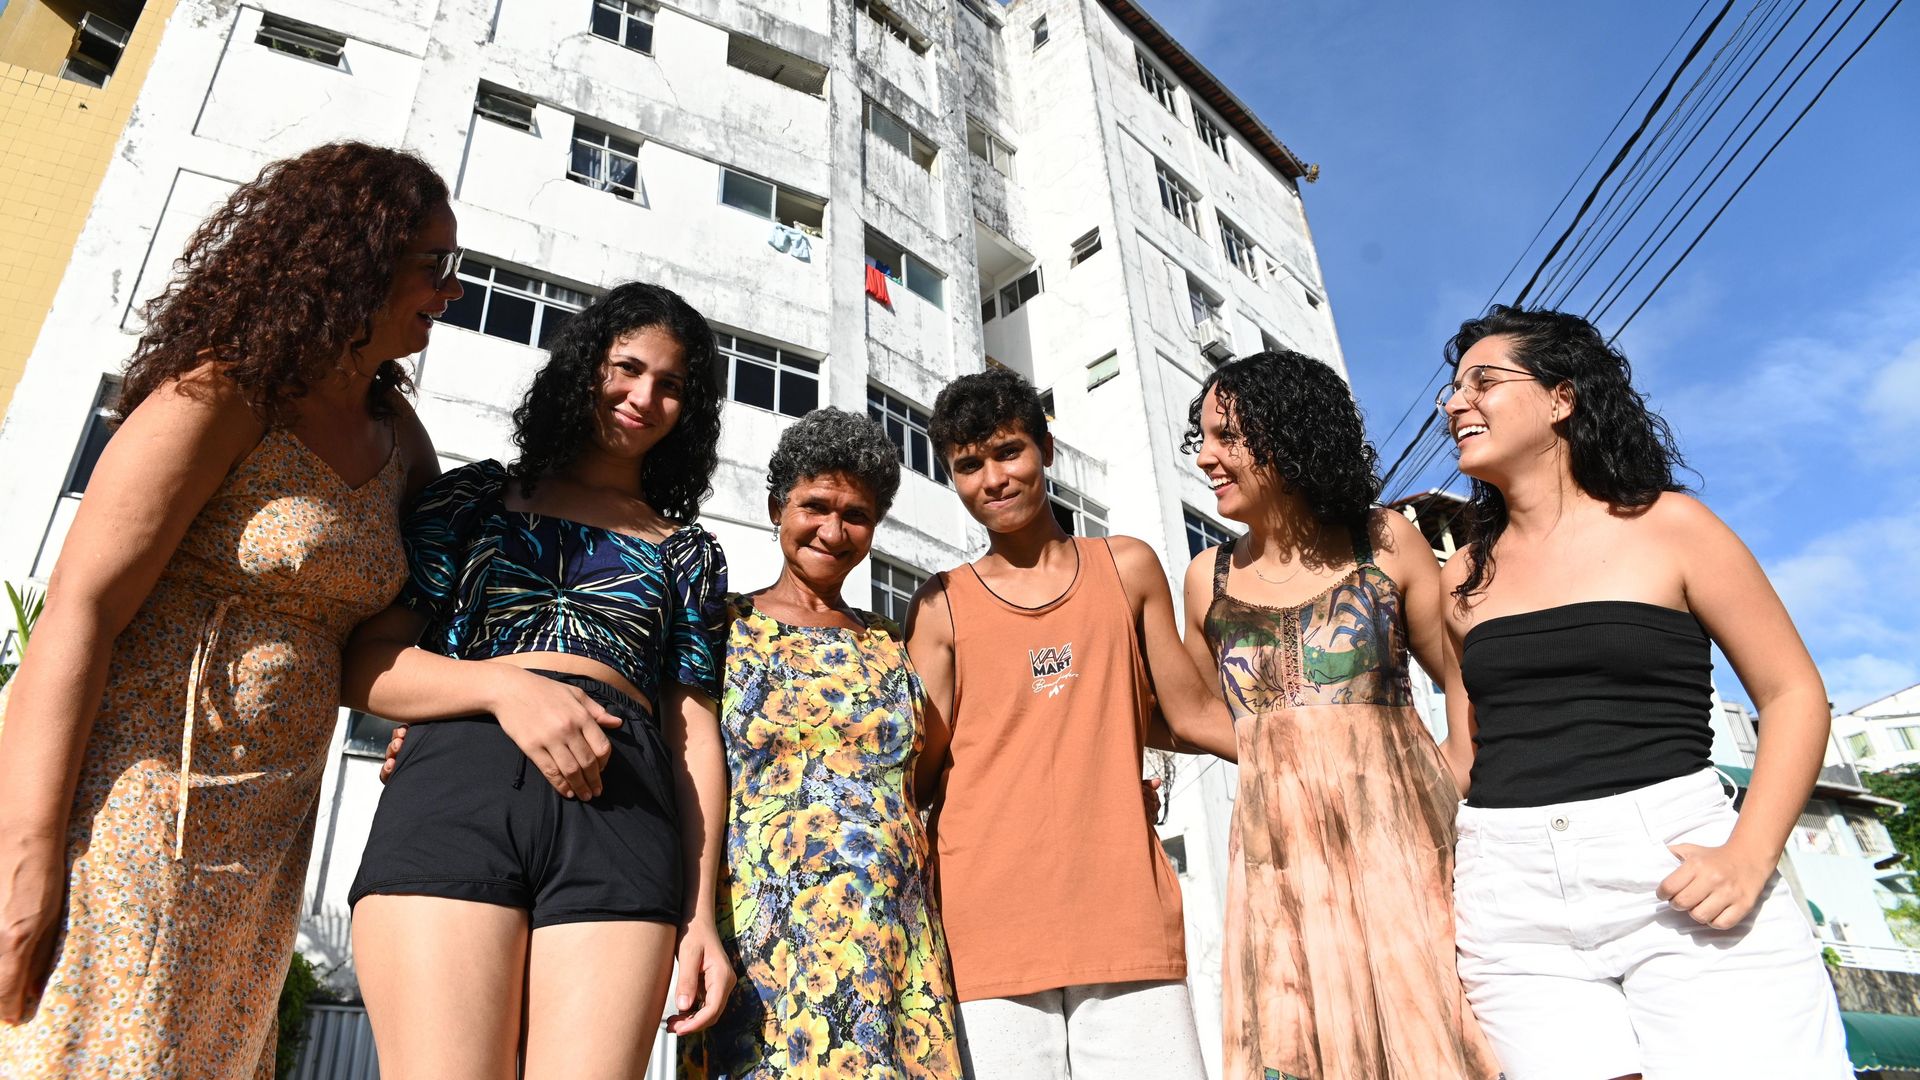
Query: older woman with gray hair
[824, 905]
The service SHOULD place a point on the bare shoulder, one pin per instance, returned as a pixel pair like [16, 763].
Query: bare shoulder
[929, 617]
[202, 408]
[1134, 557]
[1453, 573]
[1391, 533]
[1400, 549]
[1682, 515]
[1200, 567]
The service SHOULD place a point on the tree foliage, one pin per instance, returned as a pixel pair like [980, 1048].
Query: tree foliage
[1903, 786]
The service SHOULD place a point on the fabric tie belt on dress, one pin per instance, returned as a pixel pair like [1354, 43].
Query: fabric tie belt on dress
[196, 686]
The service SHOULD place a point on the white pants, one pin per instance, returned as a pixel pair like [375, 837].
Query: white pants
[1121, 1031]
[1577, 970]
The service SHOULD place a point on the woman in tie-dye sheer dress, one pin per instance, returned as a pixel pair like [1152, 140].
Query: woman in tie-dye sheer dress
[1339, 956]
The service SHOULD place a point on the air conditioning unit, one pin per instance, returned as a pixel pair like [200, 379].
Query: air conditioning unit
[1215, 343]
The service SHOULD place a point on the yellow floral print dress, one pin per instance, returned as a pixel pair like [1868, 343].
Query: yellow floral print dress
[188, 837]
[824, 904]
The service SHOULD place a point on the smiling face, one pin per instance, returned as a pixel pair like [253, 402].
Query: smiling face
[1241, 486]
[1510, 425]
[825, 528]
[415, 299]
[1002, 481]
[642, 383]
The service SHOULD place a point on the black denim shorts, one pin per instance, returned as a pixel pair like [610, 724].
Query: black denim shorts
[465, 816]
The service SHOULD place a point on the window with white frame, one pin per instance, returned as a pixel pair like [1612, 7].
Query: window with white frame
[1212, 134]
[906, 425]
[367, 734]
[764, 198]
[1040, 34]
[907, 268]
[988, 147]
[100, 428]
[1178, 197]
[1084, 246]
[1014, 294]
[889, 22]
[98, 43]
[511, 304]
[304, 40]
[1860, 745]
[1155, 81]
[1203, 532]
[1908, 737]
[504, 107]
[1075, 512]
[893, 131]
[767, 376]
[624, 22]
[777, 65]
[1240, 250]
[605, 161]
[1201, 301]
[1101, 370]
[893, 587]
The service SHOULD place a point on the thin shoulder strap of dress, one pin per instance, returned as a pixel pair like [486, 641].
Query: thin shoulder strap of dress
[1222, 560]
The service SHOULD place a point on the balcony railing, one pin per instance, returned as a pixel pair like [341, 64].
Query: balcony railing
[1876, 957]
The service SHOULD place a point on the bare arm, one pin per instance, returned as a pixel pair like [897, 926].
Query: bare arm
[152, 479]
[1197, 597]
[700, 787]
[558, 726]
[929, 633]
[1405, 556]
[1461, 722]
[1730, 595]
[1197, 715]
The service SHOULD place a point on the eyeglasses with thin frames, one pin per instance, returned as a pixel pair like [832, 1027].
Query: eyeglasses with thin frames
[1474, 381]
[445, 264]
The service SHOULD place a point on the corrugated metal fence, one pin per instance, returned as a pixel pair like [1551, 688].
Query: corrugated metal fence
[340, 1047]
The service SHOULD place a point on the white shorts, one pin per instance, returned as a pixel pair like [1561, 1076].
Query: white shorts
[1577, 970]
[1106, 1031]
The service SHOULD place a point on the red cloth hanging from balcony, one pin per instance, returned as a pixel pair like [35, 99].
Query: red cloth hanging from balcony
[877, 284]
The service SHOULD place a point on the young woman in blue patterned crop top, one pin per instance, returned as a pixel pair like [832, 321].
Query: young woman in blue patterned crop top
[560, 611]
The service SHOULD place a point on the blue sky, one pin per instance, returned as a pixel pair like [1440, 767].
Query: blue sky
[1785, 352]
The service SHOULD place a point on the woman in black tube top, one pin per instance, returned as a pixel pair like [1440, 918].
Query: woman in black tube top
[1615, 916]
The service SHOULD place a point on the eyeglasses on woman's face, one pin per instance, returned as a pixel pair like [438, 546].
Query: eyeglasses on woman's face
[445, 264]
[1474, 380]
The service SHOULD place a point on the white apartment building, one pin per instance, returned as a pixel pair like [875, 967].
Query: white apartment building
[1883, 734]
[1052, 185]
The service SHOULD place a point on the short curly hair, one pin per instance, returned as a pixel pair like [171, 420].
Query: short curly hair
[287, 275]
[832, 440]
[1296, 416]
[1620, 451]
[972, 407]
[555, 421]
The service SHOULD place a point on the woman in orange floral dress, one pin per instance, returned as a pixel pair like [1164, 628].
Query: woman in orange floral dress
[161, 751]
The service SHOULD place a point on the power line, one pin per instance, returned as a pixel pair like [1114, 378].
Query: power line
[1652, 110]
[1608, 297]
[1763, 160]
[1623, 198]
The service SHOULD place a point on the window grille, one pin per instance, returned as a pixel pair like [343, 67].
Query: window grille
[624, 22]
[605, 161]
[513, 305]
[907, 426]
[767, 376]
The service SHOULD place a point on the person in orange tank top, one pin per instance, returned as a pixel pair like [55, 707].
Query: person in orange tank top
[1043, 661]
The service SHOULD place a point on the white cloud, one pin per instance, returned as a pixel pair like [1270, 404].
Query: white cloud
[1854, 594]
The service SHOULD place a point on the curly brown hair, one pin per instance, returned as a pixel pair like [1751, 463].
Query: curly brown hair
[287, 275]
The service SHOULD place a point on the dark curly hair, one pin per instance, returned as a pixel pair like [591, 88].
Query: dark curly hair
[287, 275]
[972, 407]
[1621, 452]
[831, 440]
[555, 421]
[1297, 417]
